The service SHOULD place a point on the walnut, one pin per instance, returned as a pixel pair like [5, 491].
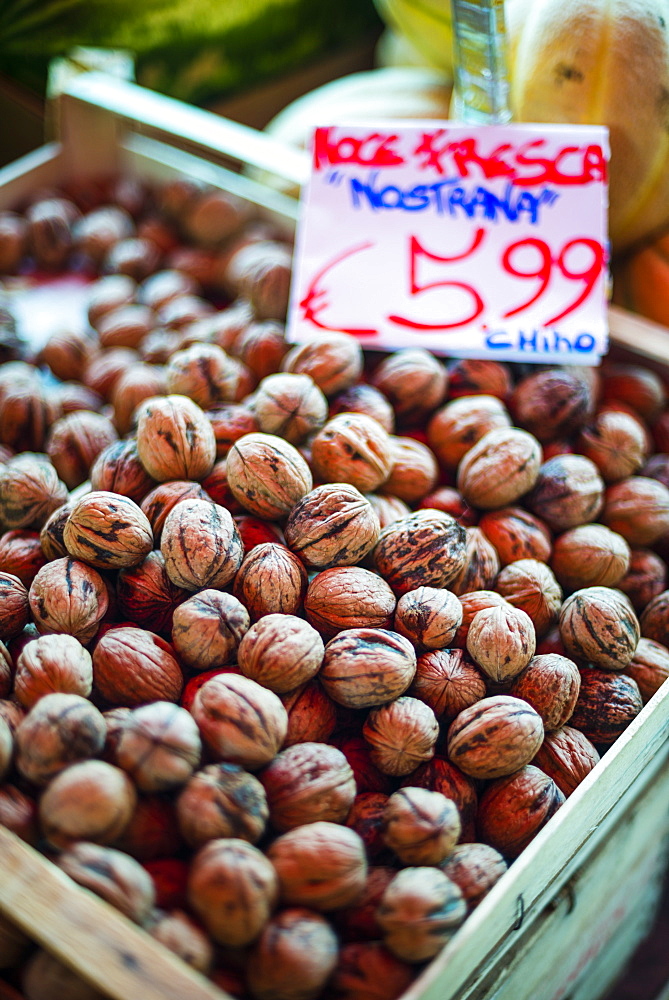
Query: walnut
[18, 812]
[649, 667]
[364, 398]
[502, 641]
[49, 664]
[530, 585]
[366, 818]
[267, 475]
[481, 564]
[152, 831]
[352, 448]
[334, 361]
[125, 326]
[550, 684]
[401, 735]
[598, 625]
[363, 667]
[289, 405]
[495, 737]
[332, 525]
[645, 578]
[30, 491]
[636, 385]
[293, 958]
[51, 532]
[182, 935]
[68, 596]
[590, 555]
[137, 387]
[414, 381]
[175, 440]
[458, 425]
[568, 491]
[270, 580]
[96, 232]
[502, 466]
[638, 509]
[513, 809]
[429, 617]
[90, 800]
[388, 508]
[222, 800]
[50, 231]
[201, 545]
[450, 501]
[312, 716]
[654, 621]
[208, 376]
[414, 471]
[13, 240]
[366, 970]
[147, 596]
[321, 865]
[74, 442]
[239, 720]
[136, 257]
[207, 628]
[59, 730]
[132, 666]
[516, 534]
[419, 912]
[117, 469]
[6, 748]
[106, 294]
[281, 652]
[427, 548]
[14, 606]
[307, 783]
[471, 604]
[607, 703]
[158, 502]
[261, 346]
[346, 597]
[27, 410]
[108, 531]
[6, 671]
[159, 746]
[616, 442]
[422, 827]
[475, 868]
[21, 554]
[567, 756]
[114, 876]
[478, 376]
[232, 888]
[552, 403]
[448, 682]
[264, 273]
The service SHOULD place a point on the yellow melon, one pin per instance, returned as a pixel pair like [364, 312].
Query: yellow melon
[602, 62]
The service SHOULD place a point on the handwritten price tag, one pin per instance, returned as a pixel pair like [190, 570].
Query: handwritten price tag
[471, 241]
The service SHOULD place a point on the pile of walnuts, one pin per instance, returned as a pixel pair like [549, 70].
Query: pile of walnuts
[300, 647]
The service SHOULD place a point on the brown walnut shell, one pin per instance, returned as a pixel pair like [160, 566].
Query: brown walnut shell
[590, 555]
[448, 682]
[475, 868]
[502, 641]
[270, 580]
[68, 596]
[550, 684]
[513, 809]
[306, 783]
[426, 548]
[222, 800]
[346, 597]
[175, 440]
[502, 466]
[401, 735]
[649, 667]
[607, 703]
[495, 737]
[429, 617]
[567, 756]
[363, 667]
[267, 475]
[568, 491]
[201, 545]
[281, 652]
[531, 586]
[332, 525]
[321, 865]
[516, 534]
[108, 531]
[132, 666]
[599, 626]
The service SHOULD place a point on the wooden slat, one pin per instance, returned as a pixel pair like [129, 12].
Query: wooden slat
[547, 864]
[85, 933]
[648, 341]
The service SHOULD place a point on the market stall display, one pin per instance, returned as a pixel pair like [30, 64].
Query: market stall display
[352, 774]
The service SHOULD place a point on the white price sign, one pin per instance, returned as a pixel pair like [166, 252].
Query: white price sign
[471, 241]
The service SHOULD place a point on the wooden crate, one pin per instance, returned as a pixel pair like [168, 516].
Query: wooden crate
[563, 921]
